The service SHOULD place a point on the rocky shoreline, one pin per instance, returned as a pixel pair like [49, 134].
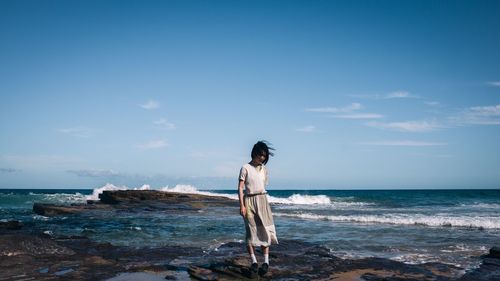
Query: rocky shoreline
[27, 255]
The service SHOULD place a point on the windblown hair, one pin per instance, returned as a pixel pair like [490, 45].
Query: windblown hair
[262, 147]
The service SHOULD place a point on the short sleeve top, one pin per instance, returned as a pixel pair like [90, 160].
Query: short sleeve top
[255, 178]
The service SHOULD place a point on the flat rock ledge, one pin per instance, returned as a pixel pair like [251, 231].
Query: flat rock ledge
[489, 268]
[139, 200]
[296, 260]
[30, 256]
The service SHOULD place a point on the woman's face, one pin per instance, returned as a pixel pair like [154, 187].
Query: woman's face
[259, 158]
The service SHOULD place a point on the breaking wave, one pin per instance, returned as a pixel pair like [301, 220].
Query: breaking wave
[295, 199]
[401, 219]
[109, 186]
[298, 199]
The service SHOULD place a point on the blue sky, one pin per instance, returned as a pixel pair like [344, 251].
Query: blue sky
[352, 94]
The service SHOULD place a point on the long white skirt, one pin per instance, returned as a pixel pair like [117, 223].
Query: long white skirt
[259, 223]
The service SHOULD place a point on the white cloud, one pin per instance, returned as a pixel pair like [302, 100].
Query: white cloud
[408, 126]
[494, 83]
[432, 103]
[154, 144]
[346, 112]
[80, 132]
[398, 95]
[306, 129]
[486, 110]
[404, 143]
[164, 124]
[359, 116]
[347, 109]
[151, 104]
[92, 173]
[478, 115]
[392, 95]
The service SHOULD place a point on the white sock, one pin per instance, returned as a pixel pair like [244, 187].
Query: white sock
[266, 258]
[254, 259]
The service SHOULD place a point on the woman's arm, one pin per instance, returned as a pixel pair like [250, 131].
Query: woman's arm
[243, 209]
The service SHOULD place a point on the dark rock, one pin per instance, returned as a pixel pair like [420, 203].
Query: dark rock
[488, 270]
[37, 257]
[138, 201]
[202, 273]
[11, 225]
[296, 260]
[53, 210]
[29, 245]
[490, 261]
[137, 196]
[494, 253]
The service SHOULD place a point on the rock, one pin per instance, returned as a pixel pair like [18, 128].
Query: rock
[138, 200]
[142, 196]
[494, 252]
[202, 273]
[491, 261]
[11, 225]
[296, 260]
[38, 257]
[488, 270]
[29, 245]
[53, 210]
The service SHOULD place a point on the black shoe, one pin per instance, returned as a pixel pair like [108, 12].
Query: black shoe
[254, 268]
[263, 269]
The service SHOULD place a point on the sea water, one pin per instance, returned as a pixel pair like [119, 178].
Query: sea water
[412, 226]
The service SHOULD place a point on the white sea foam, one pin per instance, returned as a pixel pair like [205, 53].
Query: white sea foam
[402, 219]
[40, 218]
[186, 188]
[295, 199]
[298, 199]
[109, 186]
[481, 206]
[416, 258]
[64, 197]
[461, 247]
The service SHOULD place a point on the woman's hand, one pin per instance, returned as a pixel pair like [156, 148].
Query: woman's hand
[243, 211]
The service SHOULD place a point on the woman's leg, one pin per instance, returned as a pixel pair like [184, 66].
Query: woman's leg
[265, 266]
[251, 253]
[265, 252]
[250, 249]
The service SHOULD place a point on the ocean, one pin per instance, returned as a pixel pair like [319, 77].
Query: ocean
[412, 226]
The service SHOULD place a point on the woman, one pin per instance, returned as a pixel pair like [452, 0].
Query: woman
[254, 207]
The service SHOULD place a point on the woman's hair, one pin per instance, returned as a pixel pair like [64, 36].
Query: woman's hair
[262, 147]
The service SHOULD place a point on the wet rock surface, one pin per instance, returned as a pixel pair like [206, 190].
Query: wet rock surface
[488, 270]
[11, 225]
[296, 260]
[28, 255]
[140, 200]
[141, 196]
[25, 256]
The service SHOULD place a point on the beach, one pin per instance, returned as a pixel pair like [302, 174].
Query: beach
[186, 233]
